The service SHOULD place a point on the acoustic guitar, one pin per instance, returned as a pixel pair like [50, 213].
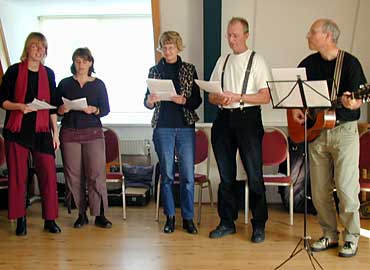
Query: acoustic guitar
[320, 119]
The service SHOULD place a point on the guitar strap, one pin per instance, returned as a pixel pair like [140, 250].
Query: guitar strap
[337, 75]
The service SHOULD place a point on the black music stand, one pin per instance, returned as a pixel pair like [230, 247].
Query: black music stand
[290, 94]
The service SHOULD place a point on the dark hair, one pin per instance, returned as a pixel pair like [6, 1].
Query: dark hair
[85, 54]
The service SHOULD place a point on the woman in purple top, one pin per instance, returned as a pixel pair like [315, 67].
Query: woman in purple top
[82, 140]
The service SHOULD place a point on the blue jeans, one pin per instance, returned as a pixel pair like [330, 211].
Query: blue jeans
[167, 141]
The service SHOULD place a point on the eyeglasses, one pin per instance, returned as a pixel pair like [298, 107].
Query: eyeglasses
[166, 49]
[233, 36]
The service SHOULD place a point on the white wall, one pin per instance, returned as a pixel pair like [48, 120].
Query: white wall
[278, 32]
[278, 28]
[186, 17]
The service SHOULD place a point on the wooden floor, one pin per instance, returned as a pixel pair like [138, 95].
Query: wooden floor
[138, 243]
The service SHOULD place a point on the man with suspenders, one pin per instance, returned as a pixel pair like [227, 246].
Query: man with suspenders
[243, 75]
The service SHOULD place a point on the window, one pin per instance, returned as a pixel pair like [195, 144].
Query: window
[122, 46]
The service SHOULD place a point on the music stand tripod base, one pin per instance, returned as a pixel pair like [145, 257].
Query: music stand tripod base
[278, 104]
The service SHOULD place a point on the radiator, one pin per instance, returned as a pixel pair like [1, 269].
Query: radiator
[135, 147]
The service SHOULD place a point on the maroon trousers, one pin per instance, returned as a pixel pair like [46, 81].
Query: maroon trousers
[17, 162]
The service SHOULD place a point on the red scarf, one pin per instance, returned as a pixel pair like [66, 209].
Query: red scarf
[42, 116]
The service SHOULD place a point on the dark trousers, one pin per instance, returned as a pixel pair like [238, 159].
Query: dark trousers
[232, 130]
[17, 162]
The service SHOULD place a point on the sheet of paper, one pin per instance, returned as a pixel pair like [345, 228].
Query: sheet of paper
[285, 74]
[209, 86]
[284, 81]
[40, 105]
[317, 93]
[285, 92]
[76, 104]
[163, 88]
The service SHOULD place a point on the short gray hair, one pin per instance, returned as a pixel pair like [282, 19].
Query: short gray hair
[329, 26]
[243, 21]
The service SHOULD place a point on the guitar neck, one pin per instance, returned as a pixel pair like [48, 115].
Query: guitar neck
[363, 93]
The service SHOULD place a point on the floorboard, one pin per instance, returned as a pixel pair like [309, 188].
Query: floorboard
[139, 243]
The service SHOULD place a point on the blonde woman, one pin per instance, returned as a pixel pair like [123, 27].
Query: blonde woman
[27, 130]
[174, 128]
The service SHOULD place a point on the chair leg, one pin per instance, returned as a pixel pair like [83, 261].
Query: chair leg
[291, 203]
[157, 205]
[246, 203]
[210, 192]
[123, 199]
[363, 196]
[200, 193]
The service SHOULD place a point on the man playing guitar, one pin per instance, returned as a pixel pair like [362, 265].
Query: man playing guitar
[334, 154]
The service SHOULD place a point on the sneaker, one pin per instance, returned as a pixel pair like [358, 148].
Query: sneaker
[323, 243]
[349, 249]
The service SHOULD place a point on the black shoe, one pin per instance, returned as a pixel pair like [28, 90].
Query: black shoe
[21, 226]
[258, 235]
[103, 222]
[81, 221]
[222, 231]
[169, 227]
[51, 226]
[189, 226]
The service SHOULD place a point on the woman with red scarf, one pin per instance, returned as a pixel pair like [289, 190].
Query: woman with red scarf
[30, 131]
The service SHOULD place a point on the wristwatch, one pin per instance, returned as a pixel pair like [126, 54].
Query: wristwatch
[241, 102]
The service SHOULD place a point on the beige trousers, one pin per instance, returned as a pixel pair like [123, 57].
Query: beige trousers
[334, 159]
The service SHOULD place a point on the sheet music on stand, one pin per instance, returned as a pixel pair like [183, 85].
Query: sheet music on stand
[285, 90]
[289, 90]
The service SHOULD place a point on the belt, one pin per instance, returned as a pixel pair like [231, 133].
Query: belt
[244, 109]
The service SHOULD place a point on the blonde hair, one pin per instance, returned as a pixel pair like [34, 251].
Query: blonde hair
[170, 37]
[31, 37]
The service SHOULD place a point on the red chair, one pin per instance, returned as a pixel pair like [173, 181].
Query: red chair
[275, 150]
[3, 179]
[364, 164]
[113, 154]
[200, 180]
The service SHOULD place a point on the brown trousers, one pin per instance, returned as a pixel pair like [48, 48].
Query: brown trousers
[84, 167]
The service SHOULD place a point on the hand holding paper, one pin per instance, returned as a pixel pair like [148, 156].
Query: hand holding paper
[76, 104]
[39, 105]
[163, 88]
[209, 86]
